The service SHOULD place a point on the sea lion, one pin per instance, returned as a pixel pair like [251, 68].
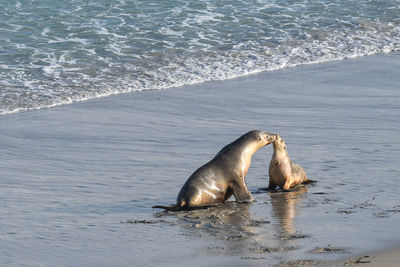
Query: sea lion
[282, 171]
[223, 176]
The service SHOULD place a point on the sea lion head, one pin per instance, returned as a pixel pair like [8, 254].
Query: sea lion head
[262, 138]
[279, 143]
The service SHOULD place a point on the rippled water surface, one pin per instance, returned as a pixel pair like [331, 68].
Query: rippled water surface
[55, 52]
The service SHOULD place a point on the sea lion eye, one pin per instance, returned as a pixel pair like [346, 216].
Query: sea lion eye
[259, 139]
[281, 140]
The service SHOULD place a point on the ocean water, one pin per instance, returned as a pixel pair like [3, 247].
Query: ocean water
[58, 52]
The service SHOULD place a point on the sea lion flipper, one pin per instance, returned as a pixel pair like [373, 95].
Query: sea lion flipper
[174, 207]
[242, 194]
[309, 181]
[287, 184]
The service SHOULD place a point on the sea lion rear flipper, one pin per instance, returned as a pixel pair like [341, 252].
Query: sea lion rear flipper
[174, 207]
[308, 181]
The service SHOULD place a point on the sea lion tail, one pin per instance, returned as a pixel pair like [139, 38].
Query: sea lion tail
[174, 207]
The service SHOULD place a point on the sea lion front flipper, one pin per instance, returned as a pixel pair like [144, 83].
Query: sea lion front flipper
[242, 194]
[287, 185]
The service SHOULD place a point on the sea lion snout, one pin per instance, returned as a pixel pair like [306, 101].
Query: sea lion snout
[278, 139]
[261, 136]
[271, 137]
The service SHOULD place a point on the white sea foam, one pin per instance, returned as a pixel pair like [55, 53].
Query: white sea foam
[205, 17]
[45, 31]
[77, 40]
[18, 5]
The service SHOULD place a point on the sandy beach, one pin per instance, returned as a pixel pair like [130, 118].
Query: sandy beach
[78, 181]
[389, 258]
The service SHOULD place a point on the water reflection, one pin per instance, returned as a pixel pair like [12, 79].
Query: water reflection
[231, 224]
[284, 209]
[243, 228]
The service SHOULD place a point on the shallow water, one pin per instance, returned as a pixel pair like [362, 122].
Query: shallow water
[75, 179]
[58, 52]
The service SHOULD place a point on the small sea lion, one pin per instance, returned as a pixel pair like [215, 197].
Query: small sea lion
[223, 176]
[282, 171]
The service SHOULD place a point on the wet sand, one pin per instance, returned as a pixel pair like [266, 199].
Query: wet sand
[387, 258]
[78, 181]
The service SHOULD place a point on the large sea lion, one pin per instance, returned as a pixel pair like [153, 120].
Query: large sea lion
[223, 176]
[282, 171]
